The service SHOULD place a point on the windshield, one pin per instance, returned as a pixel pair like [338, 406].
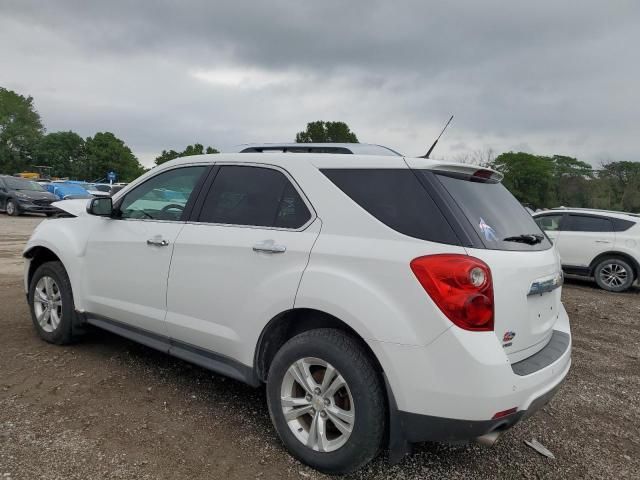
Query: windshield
[499, 219]
[21, 184]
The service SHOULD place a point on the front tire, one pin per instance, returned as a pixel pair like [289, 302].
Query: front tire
[51, 303]
[614, 274]
[326, 401]
[12, 208]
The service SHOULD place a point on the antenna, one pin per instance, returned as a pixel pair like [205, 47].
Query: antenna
[436, 142]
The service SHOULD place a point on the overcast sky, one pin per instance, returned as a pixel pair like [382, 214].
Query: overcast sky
[545, 76]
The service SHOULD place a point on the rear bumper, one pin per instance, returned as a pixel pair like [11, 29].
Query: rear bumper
[421, 428]
[451, 389]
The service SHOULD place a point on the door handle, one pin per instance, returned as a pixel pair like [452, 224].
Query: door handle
[157, 242]
[603, 241]
[269, 246]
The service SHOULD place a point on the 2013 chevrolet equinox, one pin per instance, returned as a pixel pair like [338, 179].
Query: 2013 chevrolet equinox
[383, 300]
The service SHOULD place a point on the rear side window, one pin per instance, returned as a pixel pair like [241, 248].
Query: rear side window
[620, 225]
[498, 218]
[584, 223]
[254, 196]
[396, 198]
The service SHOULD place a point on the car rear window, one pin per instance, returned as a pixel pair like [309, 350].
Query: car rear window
[396, 198]
[498, 218]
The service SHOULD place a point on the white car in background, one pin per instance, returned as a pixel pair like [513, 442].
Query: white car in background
[596, 243]
[383, 300]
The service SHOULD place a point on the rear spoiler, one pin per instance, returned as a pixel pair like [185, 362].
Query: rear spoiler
[463, 169]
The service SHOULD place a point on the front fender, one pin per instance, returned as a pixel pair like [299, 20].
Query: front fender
[67, 239]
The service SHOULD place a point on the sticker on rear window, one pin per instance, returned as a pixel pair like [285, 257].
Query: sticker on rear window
[488, 231]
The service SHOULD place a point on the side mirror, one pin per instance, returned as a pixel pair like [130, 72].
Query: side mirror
[101, 206]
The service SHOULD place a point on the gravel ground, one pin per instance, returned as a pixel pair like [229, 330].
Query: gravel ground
[108, 408]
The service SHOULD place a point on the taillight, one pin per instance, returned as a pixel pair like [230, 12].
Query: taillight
[460, 286]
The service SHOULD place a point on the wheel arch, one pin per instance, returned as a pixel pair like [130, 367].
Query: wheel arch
[616, 254]
[290, 323]
[37, 256]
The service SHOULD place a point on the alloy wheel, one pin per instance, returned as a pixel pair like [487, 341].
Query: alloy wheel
[47, 303]
[317, 404]
[11, 208]
[613, 275]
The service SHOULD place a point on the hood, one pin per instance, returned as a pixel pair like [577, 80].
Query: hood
[75, 207]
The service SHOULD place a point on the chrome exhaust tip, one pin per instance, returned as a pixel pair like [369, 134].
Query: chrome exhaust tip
[489, 439]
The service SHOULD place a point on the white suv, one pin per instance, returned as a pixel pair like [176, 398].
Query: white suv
[597, 243]
[383, 300]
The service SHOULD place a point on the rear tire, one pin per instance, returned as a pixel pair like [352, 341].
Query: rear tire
[51, 303]
[12, 208]
[614, 274]
[349, 420]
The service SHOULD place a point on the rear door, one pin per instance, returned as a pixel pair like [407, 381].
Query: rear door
[520, 258]
[584, 237]
[239, 261]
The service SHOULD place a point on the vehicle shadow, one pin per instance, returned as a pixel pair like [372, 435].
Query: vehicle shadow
[589, 283]
[227, 400]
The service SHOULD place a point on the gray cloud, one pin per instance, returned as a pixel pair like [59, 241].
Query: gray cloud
[554, 77]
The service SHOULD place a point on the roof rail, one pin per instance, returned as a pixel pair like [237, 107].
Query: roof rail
[343, 148]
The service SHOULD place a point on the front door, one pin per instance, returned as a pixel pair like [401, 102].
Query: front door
[128, 257]
[241, 260]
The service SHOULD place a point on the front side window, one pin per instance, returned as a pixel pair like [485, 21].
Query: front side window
[254, 196]
[584, 223]
[163, 197]
[549, 223]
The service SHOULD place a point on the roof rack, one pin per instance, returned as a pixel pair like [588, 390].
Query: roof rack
[343, 148]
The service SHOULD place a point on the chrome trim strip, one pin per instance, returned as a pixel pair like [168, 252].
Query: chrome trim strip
[543, 286]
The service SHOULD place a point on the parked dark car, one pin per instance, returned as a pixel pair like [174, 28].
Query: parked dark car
[18, 195]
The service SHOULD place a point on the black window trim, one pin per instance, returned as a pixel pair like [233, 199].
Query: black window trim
[195, 193]
[204, 190]
[449, 208]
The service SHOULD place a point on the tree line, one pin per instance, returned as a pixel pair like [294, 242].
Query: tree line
[541, 181]
[536, 180]
[25, 146]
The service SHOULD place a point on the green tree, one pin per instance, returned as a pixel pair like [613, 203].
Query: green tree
[20, 131]
[64, 152]
[195, 149]
[619, 186]
[572, 181]
[529, 177]
[104, 153]
[326, 132]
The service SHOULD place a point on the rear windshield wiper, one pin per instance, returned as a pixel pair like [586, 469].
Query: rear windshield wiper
[528, 238]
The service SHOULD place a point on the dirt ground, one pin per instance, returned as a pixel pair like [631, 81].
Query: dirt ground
[108, 408]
